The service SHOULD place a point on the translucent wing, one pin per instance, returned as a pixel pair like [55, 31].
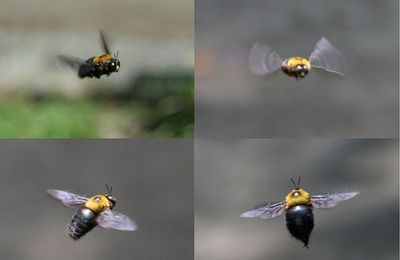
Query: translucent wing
[330, 200]
[69, 199]
[78, 65]
[71, 61]
[263, 60]
[326, 57]
[104, 42]
[115, 220]
[268, 210]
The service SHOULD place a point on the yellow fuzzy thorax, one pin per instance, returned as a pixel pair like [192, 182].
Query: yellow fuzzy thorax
[98, 203]
[295, 61]
[102, 59]
[297, 197]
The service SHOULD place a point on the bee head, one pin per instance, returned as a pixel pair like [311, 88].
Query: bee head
[300, 70]
[113, 65]
[110, 198]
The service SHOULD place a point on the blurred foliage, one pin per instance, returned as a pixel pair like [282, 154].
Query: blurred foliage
[153, 105]
[164, 102]
[169, 100]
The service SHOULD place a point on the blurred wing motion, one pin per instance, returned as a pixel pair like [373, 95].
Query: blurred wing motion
[104, 42]
[69, 199]
[326, 57]
[330, 200]
[115, 220]
[83, 68]
[71, 61]
[269, 210]
[263, 60]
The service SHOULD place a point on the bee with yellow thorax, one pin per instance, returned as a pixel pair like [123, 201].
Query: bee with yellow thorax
[298, 208]
[264, 61]
[95, 66]
[93, 211]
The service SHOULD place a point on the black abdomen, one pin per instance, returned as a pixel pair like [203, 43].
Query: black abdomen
[81, 223]
[300, 222]
[88, 69]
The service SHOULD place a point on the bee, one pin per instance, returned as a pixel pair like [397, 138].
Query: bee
[96, 66]
[298, 208]
[93, 211]
[264, 61]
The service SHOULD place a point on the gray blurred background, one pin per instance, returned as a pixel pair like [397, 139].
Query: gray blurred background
[149, 34]
[232, 102]
[152, 181]
[151, 95]
[233, 176]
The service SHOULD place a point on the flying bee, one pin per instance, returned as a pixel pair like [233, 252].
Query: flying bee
[264, 61]
[298, 208]
[96, 66]
[96, 210]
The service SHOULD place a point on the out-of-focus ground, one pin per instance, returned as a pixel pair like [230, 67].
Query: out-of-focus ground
[231, 102]
[233, 176]
[152, 182]
[154, 39]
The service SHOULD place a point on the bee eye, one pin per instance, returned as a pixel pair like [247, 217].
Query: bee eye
[296, 194]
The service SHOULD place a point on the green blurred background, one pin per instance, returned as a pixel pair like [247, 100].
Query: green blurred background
[151, 96]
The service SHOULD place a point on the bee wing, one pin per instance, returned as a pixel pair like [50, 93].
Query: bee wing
[69, 199]
[104, 42]
[268, 210]
[326, 57]
[115, 220]
[78, 65]
[71, 61]
[330, 200]
[263, 60]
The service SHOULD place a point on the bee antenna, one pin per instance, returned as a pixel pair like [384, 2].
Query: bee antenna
[109, 189]
[294, 184]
